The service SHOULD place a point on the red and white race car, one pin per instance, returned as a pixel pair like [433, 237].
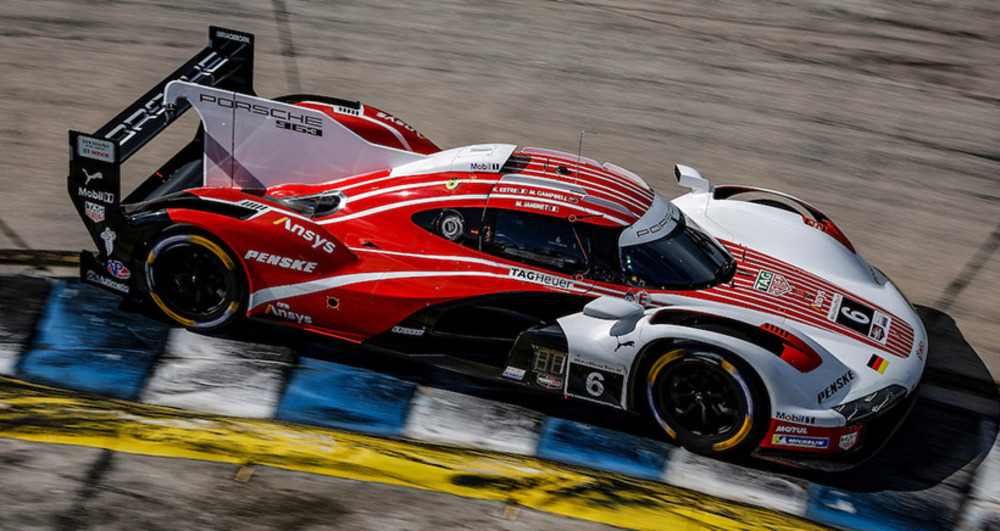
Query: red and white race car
[738, 319]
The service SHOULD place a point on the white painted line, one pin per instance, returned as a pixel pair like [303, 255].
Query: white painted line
[982, 508]
[213, 375]
[448, 417]
[724, 480]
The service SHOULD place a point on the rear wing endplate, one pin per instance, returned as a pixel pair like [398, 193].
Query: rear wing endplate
[95, 159]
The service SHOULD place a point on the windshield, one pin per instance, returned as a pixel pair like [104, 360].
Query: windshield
[684, 259]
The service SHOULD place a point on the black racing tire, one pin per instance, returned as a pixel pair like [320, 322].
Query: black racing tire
[708, 401]
[195, 280]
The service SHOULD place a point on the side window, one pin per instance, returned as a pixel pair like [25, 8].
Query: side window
[532, 239]
[459, 225]
[605, 263]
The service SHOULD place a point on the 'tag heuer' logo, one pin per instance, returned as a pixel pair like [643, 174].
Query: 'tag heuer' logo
[540, 278]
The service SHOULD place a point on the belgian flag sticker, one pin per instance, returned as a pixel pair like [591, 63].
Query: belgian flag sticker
[878, 364]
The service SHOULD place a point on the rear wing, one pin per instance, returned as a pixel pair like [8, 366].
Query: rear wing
[95, 159]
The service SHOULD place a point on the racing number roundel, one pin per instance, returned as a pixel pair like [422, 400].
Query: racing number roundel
[595, 384]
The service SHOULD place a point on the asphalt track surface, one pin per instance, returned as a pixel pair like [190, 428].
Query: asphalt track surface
[883, 114]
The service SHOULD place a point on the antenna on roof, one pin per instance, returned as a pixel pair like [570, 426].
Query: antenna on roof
[579, 153]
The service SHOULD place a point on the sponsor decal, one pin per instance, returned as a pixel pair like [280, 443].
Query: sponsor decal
[643, 297]
[109, 236]
[92, 148]
[540, 278]
[314, 239]
[232, 36]
[921, 349]
[92, 177]
[880, 325]
[550, 382]
[93, 211]
[483, 166]
[284, 119]
[392, 119]
[94, 277]
[452, 183]
[407, 331]
[800, 442]
[284, 311]
[598, 365]
[835, 387]
[820, 300]
[281, 261]
[96, 195]
[792, 417]
[118, 269]
[771, 283]
[878, 364]
[848, 441]
[792, 429]
[514, 373]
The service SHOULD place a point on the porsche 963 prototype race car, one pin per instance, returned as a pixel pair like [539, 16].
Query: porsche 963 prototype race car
[737, 319]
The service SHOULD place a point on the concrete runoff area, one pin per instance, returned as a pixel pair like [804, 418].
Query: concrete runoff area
[882, 114]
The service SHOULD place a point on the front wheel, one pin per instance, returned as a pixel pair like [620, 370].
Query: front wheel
[706, 401]
[195, 281]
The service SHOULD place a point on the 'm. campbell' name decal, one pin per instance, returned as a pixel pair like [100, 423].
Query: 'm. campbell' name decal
[540, 278]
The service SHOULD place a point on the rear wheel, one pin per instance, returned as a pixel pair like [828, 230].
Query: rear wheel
[195, 281]
[709, 402]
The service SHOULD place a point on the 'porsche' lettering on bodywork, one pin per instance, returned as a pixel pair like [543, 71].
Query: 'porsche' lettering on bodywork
[317, 241]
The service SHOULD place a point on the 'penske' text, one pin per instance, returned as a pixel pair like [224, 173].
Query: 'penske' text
[281, 261]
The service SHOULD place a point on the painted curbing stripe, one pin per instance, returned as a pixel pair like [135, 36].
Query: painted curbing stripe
[83, 343]
[877, 511]
[21, 303]
[594, 447]
[337, 396]
[728, 481]
[440, 416]
[982, 510]
[216, 375]
[38, 413]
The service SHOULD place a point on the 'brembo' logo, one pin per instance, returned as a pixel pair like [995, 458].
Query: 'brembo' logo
[540, 278]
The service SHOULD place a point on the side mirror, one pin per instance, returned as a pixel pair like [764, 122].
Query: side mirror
[689, 177]
[612, 308]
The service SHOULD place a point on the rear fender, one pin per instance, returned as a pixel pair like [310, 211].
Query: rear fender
[276, 248]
